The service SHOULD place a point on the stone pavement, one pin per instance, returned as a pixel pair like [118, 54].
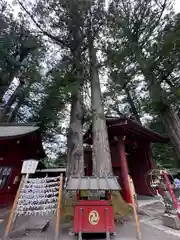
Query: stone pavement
[156, 209]
[151, 228]
[4, 214]
[125, 232]
[128, 232]
[156, 224]
[144, 201]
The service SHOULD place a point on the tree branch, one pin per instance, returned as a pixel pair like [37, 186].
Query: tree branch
[52, 37]
[151, 29]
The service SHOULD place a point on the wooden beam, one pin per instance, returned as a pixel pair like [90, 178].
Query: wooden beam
[124, 170]
[11, 216]
[134, 210]
[58, 216]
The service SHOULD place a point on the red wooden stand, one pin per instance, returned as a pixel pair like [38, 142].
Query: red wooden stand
[174, 199]
[160, 175]
[94, 217]
[93, 210]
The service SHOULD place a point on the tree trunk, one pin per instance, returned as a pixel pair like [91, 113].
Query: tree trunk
[75, 151]
[4, 85]
[13, 114]
[101, 157]
[11, 100]
[21, 94]
[168, 115]
[160, 104]
[132, 105]
[172, 124]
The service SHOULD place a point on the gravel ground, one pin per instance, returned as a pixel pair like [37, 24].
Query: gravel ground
[151, 228]
[126, 232]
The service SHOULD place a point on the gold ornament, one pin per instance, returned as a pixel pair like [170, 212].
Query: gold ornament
[93, 217]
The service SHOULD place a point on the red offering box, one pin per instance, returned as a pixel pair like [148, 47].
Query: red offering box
[93, 217]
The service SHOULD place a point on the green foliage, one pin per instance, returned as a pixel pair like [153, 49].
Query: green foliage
[163, 153]
[138, 44]
[20, 52]
[145, 46]
[59, 162]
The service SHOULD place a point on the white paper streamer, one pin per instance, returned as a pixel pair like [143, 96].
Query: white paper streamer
[40, 185]
[42, 189]
[36, 212]
[38, 196]
[43, 180]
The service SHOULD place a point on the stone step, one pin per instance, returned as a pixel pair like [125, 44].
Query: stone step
[32, 224]
[39, 226]
[171, 221]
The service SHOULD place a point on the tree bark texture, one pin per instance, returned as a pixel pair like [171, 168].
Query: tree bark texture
[22, 94]
[132, 105]
[5, 85]
[172, 124]
[101, 157]
[161, 106]
[11, 100]
[75, 151]
[167, 113]
[13, 114]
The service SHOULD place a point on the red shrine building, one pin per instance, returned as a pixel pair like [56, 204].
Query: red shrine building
[18, 142]
[131, 153]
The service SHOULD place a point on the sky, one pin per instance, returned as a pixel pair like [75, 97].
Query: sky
[177, 5]
[16, 10]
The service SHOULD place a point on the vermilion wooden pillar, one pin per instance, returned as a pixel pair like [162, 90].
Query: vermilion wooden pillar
[124, 171]
[150, 159]
[151, 166]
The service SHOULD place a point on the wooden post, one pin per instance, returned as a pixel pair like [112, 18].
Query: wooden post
[58, 216]
[11, 216]
[124, 171]
[171, 192]
[134, 210]
[25, 180]
[151, 165]
[149, 156]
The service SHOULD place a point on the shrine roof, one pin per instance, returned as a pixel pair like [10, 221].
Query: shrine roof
[93, 183]
[125, 126]
[16, 130]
